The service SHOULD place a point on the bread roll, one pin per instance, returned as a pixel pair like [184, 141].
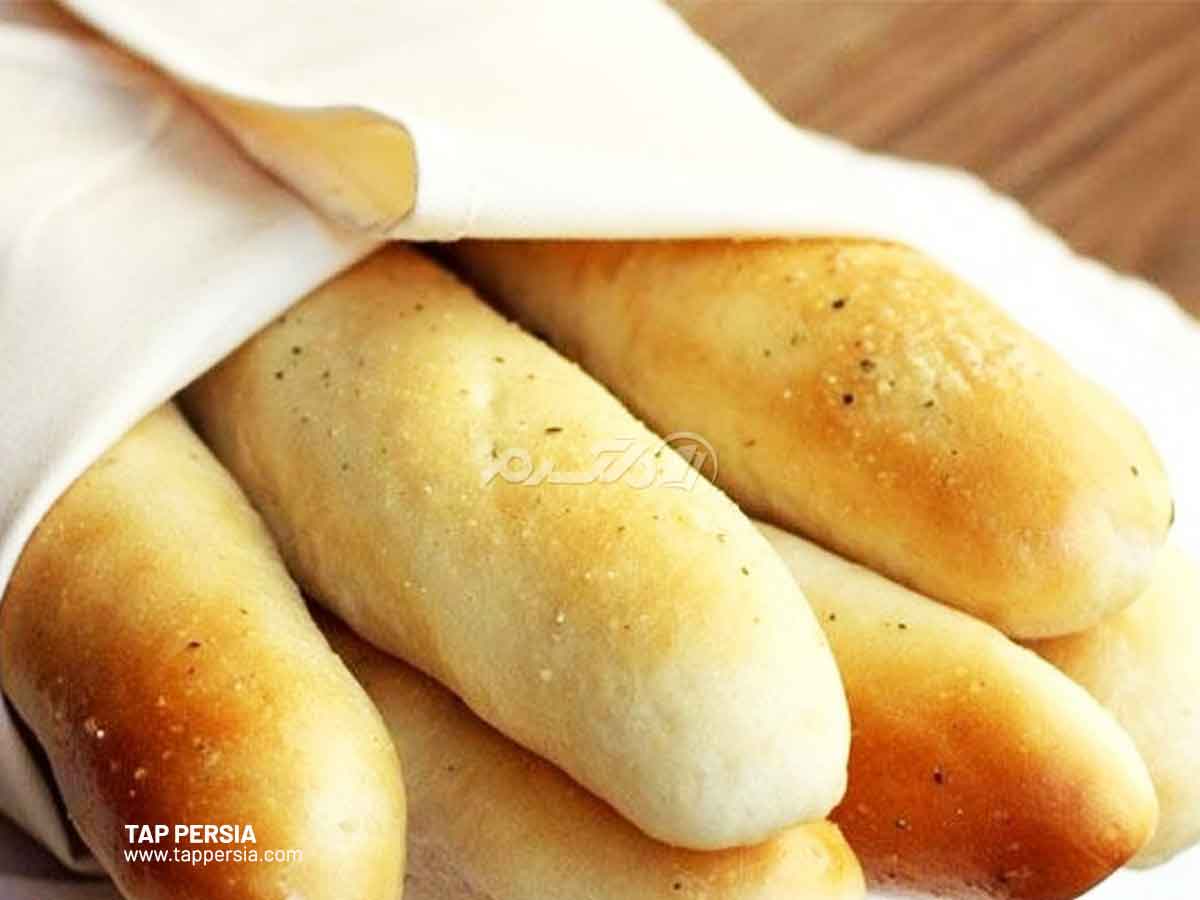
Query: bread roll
[489, 819]
[976, 769]
[860, 395]
[644, 638]
[1143, 664]
[154, 643]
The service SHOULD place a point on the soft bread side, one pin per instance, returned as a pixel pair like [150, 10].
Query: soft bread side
[860, 395]
[1143, 664]
[976, 768]
[154, 643]
[645, 638]
[489, 819]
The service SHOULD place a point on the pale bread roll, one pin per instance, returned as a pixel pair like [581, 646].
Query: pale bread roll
[645, 639]
[154, 643]
[488, 819]
[976, 768]
[862, 396]
[1143, 664]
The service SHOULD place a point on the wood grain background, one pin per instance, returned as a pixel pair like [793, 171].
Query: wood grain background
[1089, 113]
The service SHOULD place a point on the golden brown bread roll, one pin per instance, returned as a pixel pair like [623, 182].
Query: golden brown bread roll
[862, 396]
[1143, 664]
[489, 819]
[154, 643]
[976, 769]
[645, 639]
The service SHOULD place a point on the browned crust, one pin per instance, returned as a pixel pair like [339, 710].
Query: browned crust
[156, 647]
[862, 396]
[976, 769]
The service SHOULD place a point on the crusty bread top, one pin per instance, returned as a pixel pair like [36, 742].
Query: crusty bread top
[859, 394]
[644, 638]
[156, 646]
[976, 769]
[488, 819]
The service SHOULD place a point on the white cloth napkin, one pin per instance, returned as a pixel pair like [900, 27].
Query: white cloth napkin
[137, 246]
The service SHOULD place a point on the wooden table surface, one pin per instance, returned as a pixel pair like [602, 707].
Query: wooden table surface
[1089, 113]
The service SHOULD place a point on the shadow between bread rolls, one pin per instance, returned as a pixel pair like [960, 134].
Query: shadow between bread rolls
[860, 395]
[489, 819]
[648, 642]
[155, 645]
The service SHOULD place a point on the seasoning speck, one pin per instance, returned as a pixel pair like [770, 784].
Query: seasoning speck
[840, 303]
[554, 429]
[279, 374]
[847, 399]
[745, 571]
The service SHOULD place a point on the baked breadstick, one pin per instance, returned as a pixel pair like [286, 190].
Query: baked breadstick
[646, 639]
[860, 395]
[1143, 664]
[489, 819]
[154, 643]
[977, 769]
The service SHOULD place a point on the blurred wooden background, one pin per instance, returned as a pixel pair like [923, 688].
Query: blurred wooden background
[1089, 113]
